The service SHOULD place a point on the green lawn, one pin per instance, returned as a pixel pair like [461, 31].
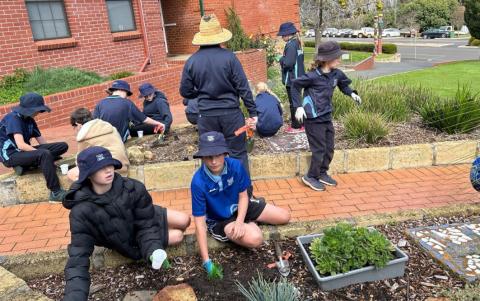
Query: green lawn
[356, 56]
[443, 80]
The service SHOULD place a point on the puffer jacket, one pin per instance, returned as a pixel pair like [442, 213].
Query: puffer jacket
[123, 219]
[101, 133]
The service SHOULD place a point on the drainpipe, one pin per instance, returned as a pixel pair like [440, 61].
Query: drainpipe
[144, 34]
[202, 11]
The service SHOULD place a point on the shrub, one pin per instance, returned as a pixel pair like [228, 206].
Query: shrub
[471, 40]
[261, 290]
[268, 44]
[389, 48]
[453, 115]
[366, 47]
[11, 86]
[121, 74]
[365, 126]
[239, 40]
[344, 248]
[309, 44]
[472, 11]
[475, 43]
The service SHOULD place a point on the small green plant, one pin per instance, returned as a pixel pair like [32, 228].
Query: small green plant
[261, 290]
[344, 248]
[121, 74]
[240, 40]
[459, 114]
[365, 126]
[266, 43]
[217, 272]
[469, 293]
[11, 86]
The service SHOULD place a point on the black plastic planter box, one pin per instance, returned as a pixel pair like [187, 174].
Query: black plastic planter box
[394, 268]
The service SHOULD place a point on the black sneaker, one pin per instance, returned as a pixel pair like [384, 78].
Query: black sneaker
[327, 180]
[57, 196]
[313, 183]
[18, 170]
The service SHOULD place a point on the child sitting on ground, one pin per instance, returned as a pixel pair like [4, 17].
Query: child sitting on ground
[95, 132]
[113, 212]
[155, 106]
[318, 86]
[17, 128]
[269, 111]
[220, 202]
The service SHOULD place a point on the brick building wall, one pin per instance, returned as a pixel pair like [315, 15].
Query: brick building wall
[262, 16]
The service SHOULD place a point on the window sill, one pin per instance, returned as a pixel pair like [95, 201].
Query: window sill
[55, 44]
[127, 35]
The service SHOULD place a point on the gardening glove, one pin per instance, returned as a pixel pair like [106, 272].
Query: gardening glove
[300, 114]
[159, 259]
[208, 266]
[356, 98]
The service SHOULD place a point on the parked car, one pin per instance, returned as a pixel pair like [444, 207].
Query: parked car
[330, 32]
[408, 32]
[433, 33]
[310, 33]
[364, 32]
[391, 32]
[345, 33]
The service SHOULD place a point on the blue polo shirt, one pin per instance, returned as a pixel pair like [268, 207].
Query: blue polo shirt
[119, 112]
[218, 201]
[14, 123]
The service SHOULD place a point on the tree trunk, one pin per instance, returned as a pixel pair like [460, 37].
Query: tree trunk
[319, 24]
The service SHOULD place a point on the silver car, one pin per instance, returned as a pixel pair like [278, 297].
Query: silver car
[390, 32]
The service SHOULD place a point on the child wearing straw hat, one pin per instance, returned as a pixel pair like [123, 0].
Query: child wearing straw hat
[316, 109]
[214, 76]
[269, 110]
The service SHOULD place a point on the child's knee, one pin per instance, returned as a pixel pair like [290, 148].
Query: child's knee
[175, 237]
[255, 239]
[285, 216]
[186, 220]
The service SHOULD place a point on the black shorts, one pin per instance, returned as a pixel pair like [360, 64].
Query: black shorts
[161, 217]
[217, 228]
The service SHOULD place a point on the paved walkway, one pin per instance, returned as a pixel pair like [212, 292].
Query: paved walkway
[44, 227]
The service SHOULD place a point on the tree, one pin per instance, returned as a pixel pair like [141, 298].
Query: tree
[430, 13]
[472, 17]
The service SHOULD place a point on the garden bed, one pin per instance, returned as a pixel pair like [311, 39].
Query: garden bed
[423, 276]
[181, 143]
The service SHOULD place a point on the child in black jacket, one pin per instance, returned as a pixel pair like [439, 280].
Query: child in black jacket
[316, 109]
[117, 213]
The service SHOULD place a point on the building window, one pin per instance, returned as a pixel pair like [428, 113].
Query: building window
[48, 19]
[120, 15]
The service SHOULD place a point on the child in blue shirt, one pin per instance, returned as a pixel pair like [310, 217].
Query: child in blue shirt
[316, 109]
[269, 111]
[220, 203]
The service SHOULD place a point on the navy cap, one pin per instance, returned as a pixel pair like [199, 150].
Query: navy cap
[328, 51]
[146, 89]
[30, 104]
[475, 174]
[94, 158]
[286, 29]
[120, 85]
[211, 144]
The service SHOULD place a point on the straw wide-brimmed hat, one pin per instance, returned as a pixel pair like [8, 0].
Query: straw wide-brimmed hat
[211, 32]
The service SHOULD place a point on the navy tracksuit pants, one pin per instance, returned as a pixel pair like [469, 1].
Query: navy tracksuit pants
[227, 125]
[321, 139]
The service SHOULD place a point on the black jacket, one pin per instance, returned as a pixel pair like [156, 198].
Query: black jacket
[159, 110]
[216, 78]
[123, 219]
[318, 93]
[292, 62]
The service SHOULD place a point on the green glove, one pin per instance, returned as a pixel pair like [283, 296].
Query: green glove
[214, 270]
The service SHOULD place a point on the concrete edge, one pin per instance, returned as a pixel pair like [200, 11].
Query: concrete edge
[28, 266]
[12, 288]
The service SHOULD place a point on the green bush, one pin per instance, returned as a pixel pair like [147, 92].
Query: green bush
[389, 48]
[268, 44]
[366, 47]
[344, 248]
[459, 114]
[239, 40]
[11, 86]
[471, 40]
[475, 43]
[365, 126]
[261, 290]
[309, 44]
[120, 75]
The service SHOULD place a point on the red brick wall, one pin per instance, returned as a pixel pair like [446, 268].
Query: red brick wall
[262, 16]
[165, 79]
[89, 26]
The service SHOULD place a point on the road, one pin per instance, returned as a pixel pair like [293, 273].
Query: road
[418, 54]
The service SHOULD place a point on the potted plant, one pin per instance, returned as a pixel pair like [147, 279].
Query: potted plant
[345, 255]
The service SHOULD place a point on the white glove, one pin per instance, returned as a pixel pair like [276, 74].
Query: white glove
[300, 114]
[357, 98]
[157, 258]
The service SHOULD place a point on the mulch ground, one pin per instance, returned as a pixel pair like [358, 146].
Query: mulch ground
[181, 143]
[424, 277]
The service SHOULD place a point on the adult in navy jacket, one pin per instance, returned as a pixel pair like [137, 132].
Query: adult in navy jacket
[214, 76]
[269, 110]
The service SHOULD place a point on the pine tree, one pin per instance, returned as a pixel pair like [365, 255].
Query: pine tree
[472, 17]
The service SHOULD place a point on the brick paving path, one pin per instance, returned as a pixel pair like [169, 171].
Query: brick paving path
[44, 227]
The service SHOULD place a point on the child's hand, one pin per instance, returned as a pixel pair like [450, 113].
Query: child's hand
[160, 127]
[238, 230]
[158, 258]
[356, 98]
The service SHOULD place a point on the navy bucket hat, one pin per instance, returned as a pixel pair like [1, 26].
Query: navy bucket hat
[94, 158]
[286, 29]
[120, 85]
[30, 104]
[211, 144]
[475, 174]
[329, 51]
[146, 89]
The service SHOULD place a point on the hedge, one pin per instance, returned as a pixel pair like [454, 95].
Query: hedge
[365, 47]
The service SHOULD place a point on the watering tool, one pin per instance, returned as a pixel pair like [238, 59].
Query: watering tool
[249, 131]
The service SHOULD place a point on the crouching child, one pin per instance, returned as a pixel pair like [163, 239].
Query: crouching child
[220, 203]
[117, 213]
